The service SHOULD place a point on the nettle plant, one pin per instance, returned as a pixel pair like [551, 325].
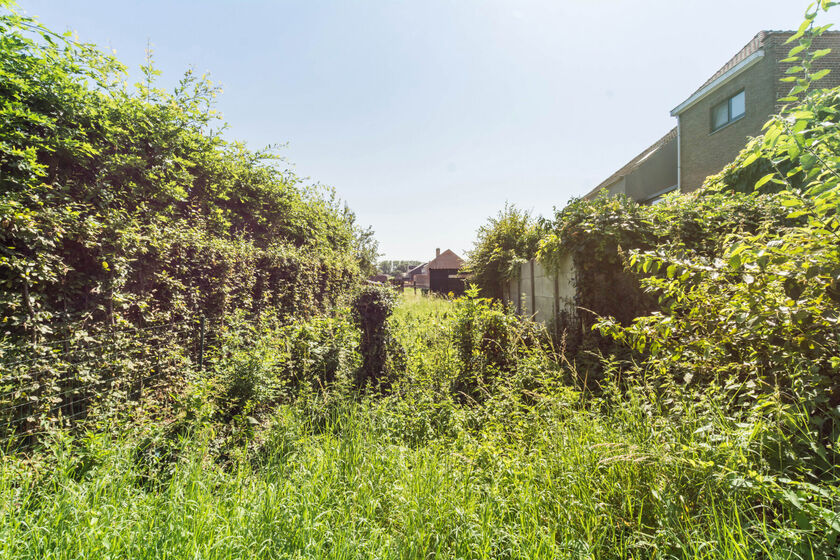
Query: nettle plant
[763, 317]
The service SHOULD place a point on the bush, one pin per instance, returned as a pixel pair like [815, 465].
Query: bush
[257, 365]
[502, 245]
[125, 208]
[371, 308]
[491, 342]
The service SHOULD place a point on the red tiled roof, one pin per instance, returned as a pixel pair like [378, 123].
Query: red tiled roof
[447, 259]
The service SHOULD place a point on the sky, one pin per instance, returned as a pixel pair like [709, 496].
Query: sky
[428, 116]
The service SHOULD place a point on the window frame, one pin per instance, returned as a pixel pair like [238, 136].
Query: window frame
[657, 197]
[729, 118]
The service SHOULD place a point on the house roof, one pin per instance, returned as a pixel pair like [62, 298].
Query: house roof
[755, 44]
[448, 260]
[416, 270]
[741, 59]
[633, 163]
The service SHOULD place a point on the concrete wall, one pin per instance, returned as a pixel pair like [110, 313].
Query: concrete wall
[618, 187]
[542, 295]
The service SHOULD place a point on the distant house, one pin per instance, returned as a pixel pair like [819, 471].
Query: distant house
[413, 272]
[714, 122]
[443, 273]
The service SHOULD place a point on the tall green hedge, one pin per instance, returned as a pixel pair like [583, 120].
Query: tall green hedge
[125, 206]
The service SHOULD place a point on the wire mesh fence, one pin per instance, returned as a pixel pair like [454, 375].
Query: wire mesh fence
[88, 376]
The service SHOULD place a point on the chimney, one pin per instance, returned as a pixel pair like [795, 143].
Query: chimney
[437, 252]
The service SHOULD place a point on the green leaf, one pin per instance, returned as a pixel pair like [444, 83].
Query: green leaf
[761, 182]
[808, 160]
[800, 32]
[819, 75]
[749, 160]
[790, 202]
[795, 51]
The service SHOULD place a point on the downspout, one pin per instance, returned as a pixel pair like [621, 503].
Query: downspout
[679, 156]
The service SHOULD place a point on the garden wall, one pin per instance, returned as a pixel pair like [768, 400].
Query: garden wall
[546, 297]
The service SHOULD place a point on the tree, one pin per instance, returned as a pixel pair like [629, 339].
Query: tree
[503, 243]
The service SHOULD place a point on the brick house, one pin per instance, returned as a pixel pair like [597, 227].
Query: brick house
[443, 273]
[714, 122]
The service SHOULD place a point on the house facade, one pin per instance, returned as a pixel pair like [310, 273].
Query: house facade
[444, 276]
[714, 122]
[648, 176]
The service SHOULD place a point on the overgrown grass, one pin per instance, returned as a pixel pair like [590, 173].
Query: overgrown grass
[534, 471]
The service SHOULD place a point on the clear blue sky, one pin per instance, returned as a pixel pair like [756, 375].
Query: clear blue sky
[428, 115]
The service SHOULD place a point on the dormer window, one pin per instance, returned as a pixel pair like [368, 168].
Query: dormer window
[728, 111]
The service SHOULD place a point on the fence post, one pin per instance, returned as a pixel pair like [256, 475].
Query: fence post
[201, 347]
[557, 303]
[533, 309]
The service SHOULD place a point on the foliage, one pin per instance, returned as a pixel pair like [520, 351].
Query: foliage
[124, 210]
[371, 308]
[258, 364]
[534, 470]
[759, 322]
[127, 207]
[598, 234]
[719, 442]
[766, 311]
[491, 341]
[502, 244]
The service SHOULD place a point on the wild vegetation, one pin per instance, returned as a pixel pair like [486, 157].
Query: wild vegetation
[308, 416]
[126, 205]
[523, 464]
[124, 211]
[501, 245]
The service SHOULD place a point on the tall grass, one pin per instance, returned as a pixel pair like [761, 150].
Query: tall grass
[529, 473]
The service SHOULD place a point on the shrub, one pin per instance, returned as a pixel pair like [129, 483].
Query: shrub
[505, 242]
[126, 208]
[258, 364]
[491, 342]
[371, 308]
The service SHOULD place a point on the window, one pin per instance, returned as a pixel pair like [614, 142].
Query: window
[658, 197]
[728, 111]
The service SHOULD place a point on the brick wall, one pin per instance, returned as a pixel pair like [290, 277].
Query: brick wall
[704, 152]
[775, 43]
